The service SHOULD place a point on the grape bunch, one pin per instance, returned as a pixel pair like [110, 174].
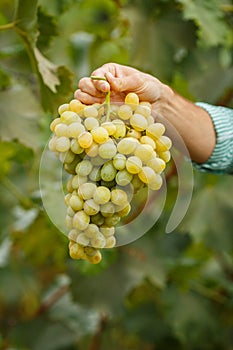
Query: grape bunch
[110, 151]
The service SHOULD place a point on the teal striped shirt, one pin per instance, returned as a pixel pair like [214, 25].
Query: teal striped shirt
[221, 160]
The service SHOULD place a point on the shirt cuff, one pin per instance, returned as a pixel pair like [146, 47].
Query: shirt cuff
[221, 160]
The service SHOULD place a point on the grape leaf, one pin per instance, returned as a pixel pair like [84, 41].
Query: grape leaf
[47, 71]
[43, 334]
[51, 100]
[191, 317]
[26, 19]
[209, 218]
[19, 119]
[209, 19]
[7, 151]
[75, 317]
[4, 79]
[47, 28]
[50, 76]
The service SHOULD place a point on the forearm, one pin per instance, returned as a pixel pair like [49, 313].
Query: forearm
[192, 122]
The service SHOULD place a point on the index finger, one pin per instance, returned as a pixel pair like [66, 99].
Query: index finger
[99, 80]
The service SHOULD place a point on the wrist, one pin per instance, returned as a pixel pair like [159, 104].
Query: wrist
[164, 102]
[187, 118]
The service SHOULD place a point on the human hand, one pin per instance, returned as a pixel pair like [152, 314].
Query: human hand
[120, 81]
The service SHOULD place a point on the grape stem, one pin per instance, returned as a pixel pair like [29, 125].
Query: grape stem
[7, 26]
[107, 98]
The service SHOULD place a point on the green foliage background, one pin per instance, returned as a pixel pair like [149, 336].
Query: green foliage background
[164, 291]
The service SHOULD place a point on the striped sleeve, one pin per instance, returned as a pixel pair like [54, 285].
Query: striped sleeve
[221, 160]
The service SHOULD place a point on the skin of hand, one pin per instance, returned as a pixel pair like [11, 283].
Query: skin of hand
[192, 122]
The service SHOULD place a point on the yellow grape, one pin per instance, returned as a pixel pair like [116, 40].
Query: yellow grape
[85, 139]
[99, 134]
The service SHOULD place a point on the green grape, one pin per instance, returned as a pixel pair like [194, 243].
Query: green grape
[93, 150]
[90, 251]
[70, 211]
[62, 108]
[123, 210]
[107, 209]
[73, 234]
[77, 181]
[155, 130]
[62, 144]
[98, 161]
[166, 156]
[144, 152]
[132, 99]
[112, 220]
[108, 171]
[91, 123]
[76, 202]
[52, 144]
[148, 141]
[75, 147]
[76, 106]
[138, 122]
[127, 145]
[120, 129]
[69, 185]
[157, 164]
[69, 117]
[133, 165]
[75, 129]
[84, 167]
[67, 199]
[95, 174]
[119, 196]
[123, 177]
[143, 110]
[156, 182]
[97, 219]
[82, 239]
[101, 195]
[90, 111]
[96, 258]
[108, 184]
[125, 112]
[61, 130]
[86, 190]
[134, 133]
[76, 251]
[98, 241]
[80, 220]
[91, 207]
[67, 157]
[107, 150]
[107, 231]
[110, 242]
[119, 161]
[69, 222]
[146, 175]
[92, 230]
[163, 144]
[110, 127]
[137, 183]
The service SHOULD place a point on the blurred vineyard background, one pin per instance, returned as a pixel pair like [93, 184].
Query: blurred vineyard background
[164, 291]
